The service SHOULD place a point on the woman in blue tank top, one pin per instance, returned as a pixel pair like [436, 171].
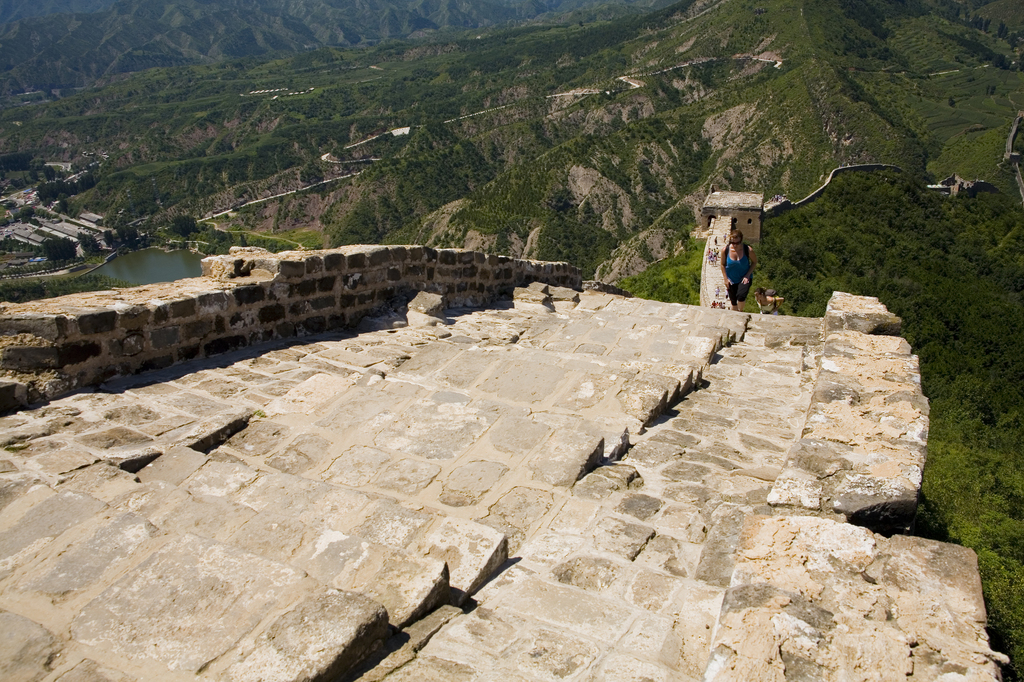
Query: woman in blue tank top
[738, 266]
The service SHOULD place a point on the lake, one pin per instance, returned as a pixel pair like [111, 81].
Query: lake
[150, 266]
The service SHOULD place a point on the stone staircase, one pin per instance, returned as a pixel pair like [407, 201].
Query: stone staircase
[626, 580]
[712, 288]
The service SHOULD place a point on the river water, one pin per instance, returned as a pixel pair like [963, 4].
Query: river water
[150, 266]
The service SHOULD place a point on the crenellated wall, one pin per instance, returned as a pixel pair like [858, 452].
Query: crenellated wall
[50, 347]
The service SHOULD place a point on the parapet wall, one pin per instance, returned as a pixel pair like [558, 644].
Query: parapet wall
[50, 347]
[786, 206]
[863, 446]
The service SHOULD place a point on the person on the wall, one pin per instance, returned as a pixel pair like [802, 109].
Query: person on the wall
[767, 301]
[738, 269]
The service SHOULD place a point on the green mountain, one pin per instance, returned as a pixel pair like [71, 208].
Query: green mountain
[594, 142]
[90, 41]
[12, 10]
[1010, 12]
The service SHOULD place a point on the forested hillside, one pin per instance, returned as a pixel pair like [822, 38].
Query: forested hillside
[569, 156]
[953, 269]
[65, 44]
[594, 142]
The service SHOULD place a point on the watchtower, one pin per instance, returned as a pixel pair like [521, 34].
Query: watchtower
[744, 208]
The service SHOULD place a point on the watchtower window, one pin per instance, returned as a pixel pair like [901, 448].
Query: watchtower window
[749, 220]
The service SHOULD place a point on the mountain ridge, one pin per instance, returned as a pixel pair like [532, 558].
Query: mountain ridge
[562, 142]
[75, 49]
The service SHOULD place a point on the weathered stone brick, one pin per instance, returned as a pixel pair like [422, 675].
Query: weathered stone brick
[354, 281]
[183, 308]
[75, 353]
[257, 336]
[271, 313]
[189, 352]
[98, 322]
[291, 269]
[216, 301]
[198, 329]
[314, 264]
[304, 288]
[30, 357]
[466, 257]
[322, 302]
[167, 336]
[411, 270]
[223, 345]
[355, 261]
[399, 253]
[313, 325]
[447, 257]
[285, 330]
[334, 262]
[248, 295]
[157, 363]
[394, 274]
[326, 283]
[279, 291]
[133, 344]
[134, 317]
[379, 256]
[12, 394]
[298, 309]
[49, 327]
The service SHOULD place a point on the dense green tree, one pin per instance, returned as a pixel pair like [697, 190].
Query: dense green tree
[183, 226]
[89, 244]
[59, 249]
[19, 291]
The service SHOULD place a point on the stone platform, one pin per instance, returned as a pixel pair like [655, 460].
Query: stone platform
[567, 486]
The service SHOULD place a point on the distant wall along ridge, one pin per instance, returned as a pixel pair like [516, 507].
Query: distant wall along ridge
[396, 463]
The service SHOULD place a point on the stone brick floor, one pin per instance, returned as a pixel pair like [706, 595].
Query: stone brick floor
[229, 518]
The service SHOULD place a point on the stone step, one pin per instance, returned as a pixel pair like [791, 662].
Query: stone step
[852, 605]
[132, 591]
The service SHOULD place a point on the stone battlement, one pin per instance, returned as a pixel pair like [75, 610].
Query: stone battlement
[557, 485]
[252, 296]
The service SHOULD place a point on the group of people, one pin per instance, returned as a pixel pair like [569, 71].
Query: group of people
[713, 256]
[738, 266]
